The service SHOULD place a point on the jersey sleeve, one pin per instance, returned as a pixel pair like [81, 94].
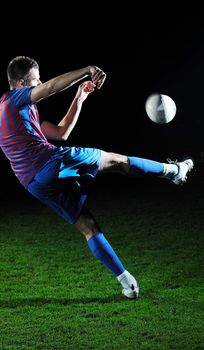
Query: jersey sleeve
[21, 96]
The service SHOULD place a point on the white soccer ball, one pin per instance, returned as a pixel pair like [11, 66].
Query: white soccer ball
[161, 109]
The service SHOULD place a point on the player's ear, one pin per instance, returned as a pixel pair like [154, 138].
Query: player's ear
[20, 83]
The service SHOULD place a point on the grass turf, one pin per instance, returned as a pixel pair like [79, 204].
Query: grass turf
[54, 294]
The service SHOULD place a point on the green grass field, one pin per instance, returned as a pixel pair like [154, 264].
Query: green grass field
[54, 294]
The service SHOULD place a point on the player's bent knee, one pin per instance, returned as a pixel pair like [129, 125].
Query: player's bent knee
[113, 162]
[87, 225]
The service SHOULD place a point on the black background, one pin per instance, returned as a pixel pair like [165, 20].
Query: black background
[142, 52]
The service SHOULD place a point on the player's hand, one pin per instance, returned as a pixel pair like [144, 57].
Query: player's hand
[85, 89]
[97, 76]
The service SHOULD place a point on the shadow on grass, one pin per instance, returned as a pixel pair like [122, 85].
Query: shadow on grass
[45, 301]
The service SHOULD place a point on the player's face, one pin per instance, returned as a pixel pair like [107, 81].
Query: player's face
[33, 78]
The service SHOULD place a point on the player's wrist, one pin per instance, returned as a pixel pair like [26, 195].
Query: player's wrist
[80, 100]
[89, 70]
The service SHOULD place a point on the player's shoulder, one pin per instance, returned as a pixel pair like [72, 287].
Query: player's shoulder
[21, 96]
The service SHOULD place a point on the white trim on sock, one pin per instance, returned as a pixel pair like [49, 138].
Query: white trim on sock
[170, 169]
[122, 275]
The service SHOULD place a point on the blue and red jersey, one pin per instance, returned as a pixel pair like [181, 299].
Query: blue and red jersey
[21, 138]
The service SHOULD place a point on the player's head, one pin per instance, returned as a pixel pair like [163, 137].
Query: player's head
[23, 71]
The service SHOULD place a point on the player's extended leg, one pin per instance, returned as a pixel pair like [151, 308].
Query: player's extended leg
[103, 251]
[173, 170]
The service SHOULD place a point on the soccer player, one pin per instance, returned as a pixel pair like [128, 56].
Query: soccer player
[60, 176]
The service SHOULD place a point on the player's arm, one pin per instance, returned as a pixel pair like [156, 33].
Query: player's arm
[66, 80]
[64, 128]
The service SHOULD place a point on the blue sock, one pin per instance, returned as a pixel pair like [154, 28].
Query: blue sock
[103, 251]
[141, 165]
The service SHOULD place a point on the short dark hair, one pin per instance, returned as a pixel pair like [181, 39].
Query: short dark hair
[19, 67]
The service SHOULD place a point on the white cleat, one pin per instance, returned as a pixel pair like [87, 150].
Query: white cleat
[183, 168]
[131, 293]
[129, 284]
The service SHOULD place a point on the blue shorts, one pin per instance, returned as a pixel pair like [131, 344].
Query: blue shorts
[63, 183]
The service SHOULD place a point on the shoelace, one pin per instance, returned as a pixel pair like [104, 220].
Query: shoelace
[171, 161]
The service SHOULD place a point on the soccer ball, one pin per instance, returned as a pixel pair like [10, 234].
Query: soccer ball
[161, 109]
